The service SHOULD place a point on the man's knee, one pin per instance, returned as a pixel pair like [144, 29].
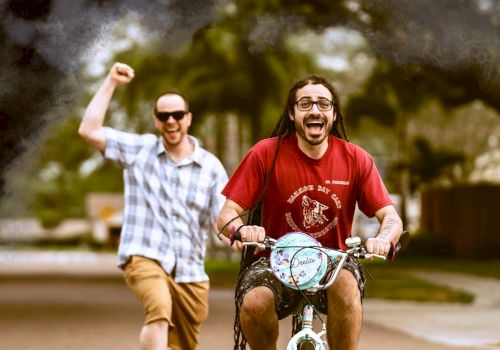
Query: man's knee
[159, 325]
[257, 302]
[344, 292]
[258, 317]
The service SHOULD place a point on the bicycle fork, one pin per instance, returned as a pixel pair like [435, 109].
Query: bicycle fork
[307, 338]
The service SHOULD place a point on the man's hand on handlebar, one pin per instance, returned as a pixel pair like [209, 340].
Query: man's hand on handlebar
[378, 246]
[249, 234]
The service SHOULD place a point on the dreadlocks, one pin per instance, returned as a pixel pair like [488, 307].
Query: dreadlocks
[285, 126]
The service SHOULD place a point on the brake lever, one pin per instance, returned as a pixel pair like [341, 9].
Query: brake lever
[267, 244]
[361, 253]
[371, 255]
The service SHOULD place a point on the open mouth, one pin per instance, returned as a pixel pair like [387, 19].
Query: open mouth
[314, 126]
[172, 130]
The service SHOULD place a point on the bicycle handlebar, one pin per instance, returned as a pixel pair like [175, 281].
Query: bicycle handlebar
[357, 250]
[296, 246]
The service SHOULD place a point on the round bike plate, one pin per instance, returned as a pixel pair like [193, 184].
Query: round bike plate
[297, 262]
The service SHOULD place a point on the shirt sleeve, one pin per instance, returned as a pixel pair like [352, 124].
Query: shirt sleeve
[123, 147]
[247, 182]
[217, 199]
[372, 193]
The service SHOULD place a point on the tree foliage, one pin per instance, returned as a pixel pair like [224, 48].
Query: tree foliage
[454, 43]
[62, 184]
[234, 58]
[428, 165]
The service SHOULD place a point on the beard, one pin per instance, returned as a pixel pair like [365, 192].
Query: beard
[308, 134]
[172, 139]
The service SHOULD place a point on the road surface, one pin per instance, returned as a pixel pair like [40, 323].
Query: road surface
[80, 312]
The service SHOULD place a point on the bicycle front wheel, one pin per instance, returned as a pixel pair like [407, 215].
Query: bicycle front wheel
[307, 345]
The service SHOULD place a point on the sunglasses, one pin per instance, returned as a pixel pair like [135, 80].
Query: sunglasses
[177, 115]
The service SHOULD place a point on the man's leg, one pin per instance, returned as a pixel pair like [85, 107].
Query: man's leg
[154, 335]
[345, 312]
[189, 310]
[258, 319]
[148, 281]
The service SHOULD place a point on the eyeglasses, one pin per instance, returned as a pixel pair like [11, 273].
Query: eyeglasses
[306, 104]
[177, 115]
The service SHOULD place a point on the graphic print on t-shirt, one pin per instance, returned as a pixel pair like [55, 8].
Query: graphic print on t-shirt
[312, 212]
[313, 209]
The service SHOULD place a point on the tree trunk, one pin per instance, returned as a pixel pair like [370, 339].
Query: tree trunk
[402, 156]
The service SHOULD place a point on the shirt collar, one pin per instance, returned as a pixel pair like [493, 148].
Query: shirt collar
[195, 157]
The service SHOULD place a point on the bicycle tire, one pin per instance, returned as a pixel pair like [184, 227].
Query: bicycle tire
[306, 345]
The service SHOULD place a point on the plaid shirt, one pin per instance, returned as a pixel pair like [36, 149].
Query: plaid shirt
[169, 207]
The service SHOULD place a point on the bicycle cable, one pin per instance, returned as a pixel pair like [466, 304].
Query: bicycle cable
[328, 271]
[245, 212]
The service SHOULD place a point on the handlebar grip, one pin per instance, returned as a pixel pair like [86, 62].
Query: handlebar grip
[234, 234]
[392, 252]
[404, 239]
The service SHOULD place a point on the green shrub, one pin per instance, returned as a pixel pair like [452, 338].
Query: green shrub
[428, 244]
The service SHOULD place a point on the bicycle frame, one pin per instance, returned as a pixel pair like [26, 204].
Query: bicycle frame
[306, 281]
[307, 335]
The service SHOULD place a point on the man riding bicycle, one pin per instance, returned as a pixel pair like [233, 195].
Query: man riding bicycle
[308, 178]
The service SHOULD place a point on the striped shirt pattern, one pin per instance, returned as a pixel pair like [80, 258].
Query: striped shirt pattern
[169, 207]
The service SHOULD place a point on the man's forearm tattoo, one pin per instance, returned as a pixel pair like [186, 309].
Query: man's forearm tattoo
[387, 227]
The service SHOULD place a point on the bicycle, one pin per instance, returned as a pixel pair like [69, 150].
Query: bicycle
[301, 263]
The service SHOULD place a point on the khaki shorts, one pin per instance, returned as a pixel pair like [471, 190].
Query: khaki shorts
[183, 305]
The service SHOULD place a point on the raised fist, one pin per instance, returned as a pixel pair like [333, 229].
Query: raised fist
[121, 73]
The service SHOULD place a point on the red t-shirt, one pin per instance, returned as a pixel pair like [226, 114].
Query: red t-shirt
[316, 196]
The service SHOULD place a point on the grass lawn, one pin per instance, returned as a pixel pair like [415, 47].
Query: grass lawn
[390, 280]
[480, 268]
[399, 284]
[222, 273]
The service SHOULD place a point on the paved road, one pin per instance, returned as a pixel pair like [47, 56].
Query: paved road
[54, 312]
[58, 303]
[374, 335]
[454, 324]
